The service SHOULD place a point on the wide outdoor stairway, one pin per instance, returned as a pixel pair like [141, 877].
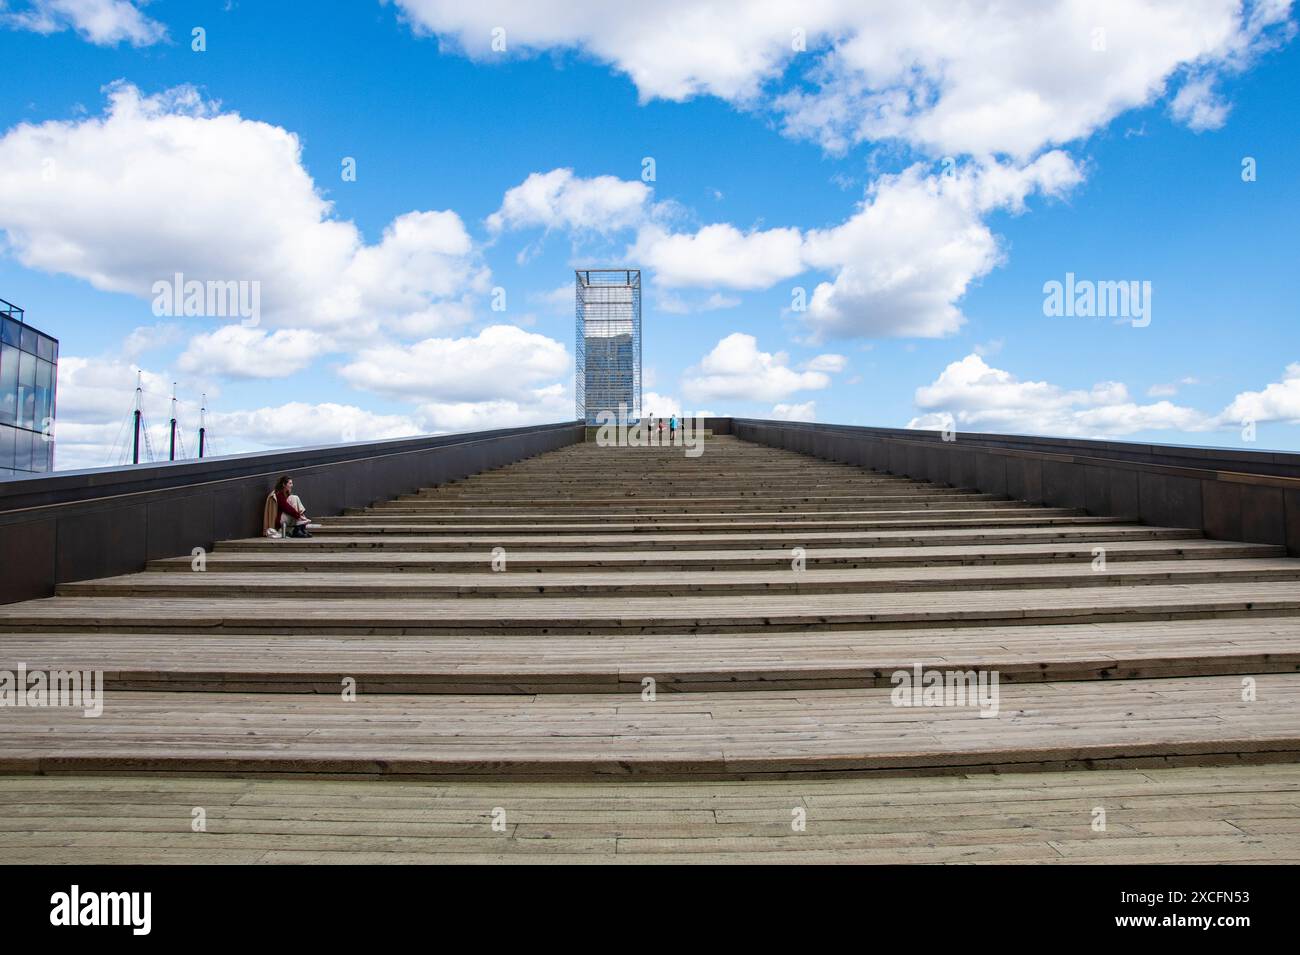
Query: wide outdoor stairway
[595, 617]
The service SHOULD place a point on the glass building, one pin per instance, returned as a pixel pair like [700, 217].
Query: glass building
[607, 371]
[28, 359]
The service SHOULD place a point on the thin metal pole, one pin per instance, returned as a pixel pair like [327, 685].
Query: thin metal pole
[171, 451]
[135, 444]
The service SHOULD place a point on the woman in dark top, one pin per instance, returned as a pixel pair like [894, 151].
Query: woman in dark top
[291, 508]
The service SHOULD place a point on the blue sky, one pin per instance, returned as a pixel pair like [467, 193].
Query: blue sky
[1104, 140]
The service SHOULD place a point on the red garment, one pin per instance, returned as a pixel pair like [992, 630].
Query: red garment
[282, 499]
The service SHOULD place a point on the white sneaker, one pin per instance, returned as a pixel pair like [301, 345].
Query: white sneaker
[272, 532]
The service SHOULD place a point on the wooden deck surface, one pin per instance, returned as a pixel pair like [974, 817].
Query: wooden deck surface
[1240, 814]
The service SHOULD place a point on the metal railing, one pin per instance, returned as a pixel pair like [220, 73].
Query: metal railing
[10, 310]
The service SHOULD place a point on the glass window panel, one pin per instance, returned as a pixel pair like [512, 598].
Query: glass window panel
[8, 384]
[44, 393]
[11, 334]
[45, 347]
[41, 453]
[29, 339]
[23, 450]
[6, 447]
[26, 390]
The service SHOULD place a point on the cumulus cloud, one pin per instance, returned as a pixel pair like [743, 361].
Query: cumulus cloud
[1198, 106]
[830, 363]
[301, 424]
[537, 406]
[136, 195]
[949, 79]
[720, 255]
[901, 261]
[807, 411]
[234, 351]
[145, 338]
[736, 370]
[661, 406]
[102, 22]
[915, 245]
[501, 362]
[980, 397]
[1277, 401]
[560, 199]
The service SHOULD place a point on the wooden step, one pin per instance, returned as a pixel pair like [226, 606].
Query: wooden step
[760, 734]
[311, 663]
[597, 543]
[1195, 814]
[671, 585]
[295, 560]
[1030, 518]
[689, 614]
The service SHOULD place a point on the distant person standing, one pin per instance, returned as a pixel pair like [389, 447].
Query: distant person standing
[672, 429]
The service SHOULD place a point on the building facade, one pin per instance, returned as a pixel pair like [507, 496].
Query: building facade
[607, 346]
[28, 372]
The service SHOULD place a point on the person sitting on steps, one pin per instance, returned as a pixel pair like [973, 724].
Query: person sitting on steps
[292, 508]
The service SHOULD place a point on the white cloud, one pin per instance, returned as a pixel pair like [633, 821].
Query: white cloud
[102, 22]
[735, 369]
[661, 406]
[502, 362]
[1198, 106]
[530, 406]
[807, 411]
[145, 338]
[136, 195]
[974, 78]
[1278, 401]
[298, 424]
[719, 255]
[559, 199]
[420, 274]
[915, 245]
[980, 397]
[830, 363]
[234, 351]
[901, 261]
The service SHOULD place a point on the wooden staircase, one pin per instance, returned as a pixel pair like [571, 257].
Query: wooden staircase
[766, 597]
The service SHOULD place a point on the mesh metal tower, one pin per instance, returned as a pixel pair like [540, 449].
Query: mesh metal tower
[607, 371]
